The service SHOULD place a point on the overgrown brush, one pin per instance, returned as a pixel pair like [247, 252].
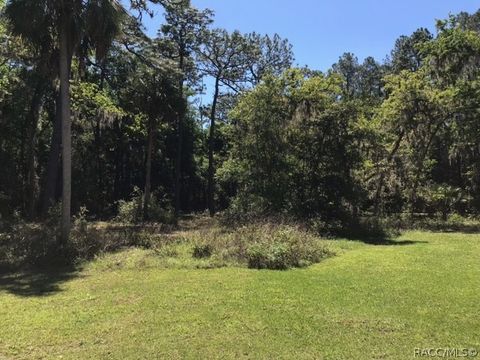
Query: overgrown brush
[25, 244]
[262, 246]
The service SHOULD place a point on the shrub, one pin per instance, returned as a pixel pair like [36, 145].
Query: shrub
[85, 241]
[201, 251]
[282, 247]
[326, 228]
[268, 256]
[131, 211]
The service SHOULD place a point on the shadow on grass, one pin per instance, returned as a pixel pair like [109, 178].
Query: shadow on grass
[36, 283]
[463, 228]
[388, 242]
[382, 239]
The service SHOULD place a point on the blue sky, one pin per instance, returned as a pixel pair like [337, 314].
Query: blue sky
[321, 30]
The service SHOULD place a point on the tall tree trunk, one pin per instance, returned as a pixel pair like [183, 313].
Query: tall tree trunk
[148, 169]
[99, 164]
[34, 115]
[178, 159]
[211, 143]
[23, 167]
[66, 130]
[119, 156]
[50, 182]
[178, 164]
[102, 203]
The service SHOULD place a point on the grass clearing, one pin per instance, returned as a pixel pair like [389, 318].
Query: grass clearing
[368, 302]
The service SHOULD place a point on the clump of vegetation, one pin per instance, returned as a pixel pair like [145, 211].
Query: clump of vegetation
[25, 244]
[130, 211]
[201, 251]
[133, 211]
[34, 244]
[453, 222]
[284, 247]
[261, 245]
[372, 228]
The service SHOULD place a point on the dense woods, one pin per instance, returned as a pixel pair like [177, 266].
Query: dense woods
[94, 114]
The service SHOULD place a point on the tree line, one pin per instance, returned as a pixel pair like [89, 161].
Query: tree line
[94, 113]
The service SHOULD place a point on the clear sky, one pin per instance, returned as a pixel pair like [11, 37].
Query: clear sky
[321, 30]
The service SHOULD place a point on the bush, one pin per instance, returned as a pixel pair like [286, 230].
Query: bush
[85, 241]
[131, 211]
[201, 251]
[283, 247]
[268, 256]
[327, 228]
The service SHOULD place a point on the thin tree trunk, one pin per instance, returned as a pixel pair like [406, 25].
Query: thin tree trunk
[34, 116]
[66, 132]
[50, 182]
[211, 143]
[178, 164]
[148, 170]
[118, 183]
[23, 167]
[178, 160]
[98, 144]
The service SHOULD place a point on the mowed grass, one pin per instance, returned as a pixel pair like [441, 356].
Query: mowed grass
[368, 302]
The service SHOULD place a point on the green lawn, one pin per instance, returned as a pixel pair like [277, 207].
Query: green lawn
[368, 302]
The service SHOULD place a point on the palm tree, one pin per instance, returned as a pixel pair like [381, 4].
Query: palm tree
[72, 26]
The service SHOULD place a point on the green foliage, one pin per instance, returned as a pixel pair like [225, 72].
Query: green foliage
[201, 251]
[407, 53]
[273, 256]
[268, 244]
[131, 211]
[443, 198]
[294, 147]
[283, 248]
[90, 101]
[84, 242]
[447, 223]
[25, 245]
